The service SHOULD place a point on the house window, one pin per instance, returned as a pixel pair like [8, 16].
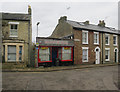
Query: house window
[20, 53]
[44, 53]
[66, 53]
[84, 37]
[11, 53]
[13, 29]
[107, 54]
[115, 40]
[107, 39]
[96, 38]
[85, 54]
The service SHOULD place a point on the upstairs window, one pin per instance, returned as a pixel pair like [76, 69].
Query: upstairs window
[107, 39]
[13, 29]
[84, 37]
[115, 40]
[96, 38]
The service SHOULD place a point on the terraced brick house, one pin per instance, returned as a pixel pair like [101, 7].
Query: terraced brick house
[93, 44]
[16, 37]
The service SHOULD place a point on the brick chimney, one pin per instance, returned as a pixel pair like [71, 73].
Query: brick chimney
[62, 19]
[29, 10]
[86, 22]
[101, 23]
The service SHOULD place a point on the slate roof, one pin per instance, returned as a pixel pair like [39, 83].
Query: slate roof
[81, 25]
[16, 16]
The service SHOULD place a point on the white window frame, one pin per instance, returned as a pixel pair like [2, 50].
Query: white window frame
[85, 48]
[108, 54]
[87, 37]
[116, 40]
[8, 53]
[108, 39]
[97, 38]
[13, 23]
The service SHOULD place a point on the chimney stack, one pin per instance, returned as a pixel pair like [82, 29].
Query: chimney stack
[29, 10]
[62, 19]
[86, 22]
[101, 23]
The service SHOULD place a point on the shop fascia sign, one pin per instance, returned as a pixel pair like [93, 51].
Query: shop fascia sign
[56, 42]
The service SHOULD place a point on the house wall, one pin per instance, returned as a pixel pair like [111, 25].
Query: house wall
[62, 29]
[22, 36]
[111, 46]
[78, 47]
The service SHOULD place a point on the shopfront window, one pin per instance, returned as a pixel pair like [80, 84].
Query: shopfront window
[66, 53]
[44, 54]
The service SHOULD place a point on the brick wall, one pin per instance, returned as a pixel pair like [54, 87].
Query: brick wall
[78, 47]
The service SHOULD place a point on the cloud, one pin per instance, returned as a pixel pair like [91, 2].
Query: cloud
[48, 13]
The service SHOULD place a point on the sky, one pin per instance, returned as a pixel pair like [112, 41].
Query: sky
[48, 13]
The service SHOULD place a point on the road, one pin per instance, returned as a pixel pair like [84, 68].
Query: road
[98, 78]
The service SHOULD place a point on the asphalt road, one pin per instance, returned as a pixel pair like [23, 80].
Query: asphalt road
[98, 78]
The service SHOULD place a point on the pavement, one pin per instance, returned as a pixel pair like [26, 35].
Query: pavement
[56, 68]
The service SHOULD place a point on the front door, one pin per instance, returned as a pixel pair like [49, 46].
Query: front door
[116, 55]
[54, 55]
[97, 57]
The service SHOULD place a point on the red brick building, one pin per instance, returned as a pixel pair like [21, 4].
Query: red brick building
[89, 41]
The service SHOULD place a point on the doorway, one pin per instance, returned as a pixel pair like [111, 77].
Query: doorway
[97, 51]
[54, 55]
[116, 55]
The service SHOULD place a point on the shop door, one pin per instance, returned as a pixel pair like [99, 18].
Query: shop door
[54, 55]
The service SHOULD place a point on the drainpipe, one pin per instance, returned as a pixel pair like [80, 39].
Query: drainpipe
[28, 43]
[102, 48]
[29, 33]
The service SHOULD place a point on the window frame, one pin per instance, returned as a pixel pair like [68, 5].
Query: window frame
[107, 49]
[85, 48]
[13, 23]
[66, 53]
[83, 31]
[108, 39]
[50, 56]
[97, 38]
[21, 52]
[116, 40]
[12, 53]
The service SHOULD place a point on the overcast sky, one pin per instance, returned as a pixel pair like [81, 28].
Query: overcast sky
[48, 13]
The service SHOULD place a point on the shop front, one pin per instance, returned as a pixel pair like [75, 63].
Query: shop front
[54, 52]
